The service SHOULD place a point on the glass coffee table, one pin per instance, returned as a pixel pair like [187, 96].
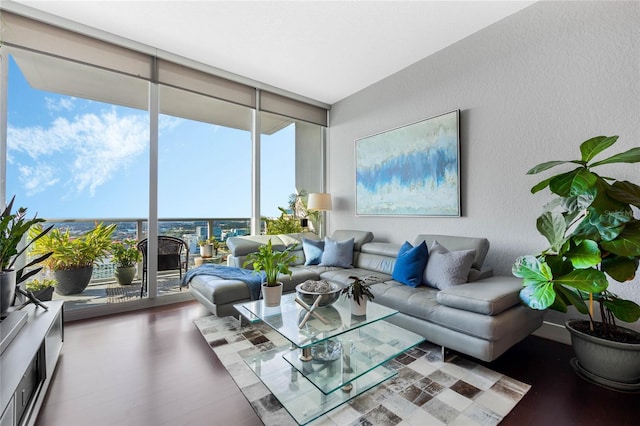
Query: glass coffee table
[333, 357]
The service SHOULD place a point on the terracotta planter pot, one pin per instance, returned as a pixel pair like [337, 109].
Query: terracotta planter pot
[8, 288]
[272, 295]
[611, 364]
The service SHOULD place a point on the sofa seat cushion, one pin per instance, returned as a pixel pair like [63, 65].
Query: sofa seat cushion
[219, 291]
[490, 296]
[488, 327]
[421, 302]
[299, 275]
[341, 276]
[418, 302]
[223, 291]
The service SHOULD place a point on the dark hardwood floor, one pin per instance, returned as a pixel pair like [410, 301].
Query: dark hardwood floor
[153, 368]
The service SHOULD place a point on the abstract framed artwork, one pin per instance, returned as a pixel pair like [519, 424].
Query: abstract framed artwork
[413, 170]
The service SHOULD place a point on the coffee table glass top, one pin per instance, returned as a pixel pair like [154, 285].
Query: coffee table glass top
[336, 319]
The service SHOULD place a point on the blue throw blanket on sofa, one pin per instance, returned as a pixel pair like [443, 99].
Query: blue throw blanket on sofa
[252, 279]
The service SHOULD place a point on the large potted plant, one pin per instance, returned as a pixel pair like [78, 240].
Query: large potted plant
[273, 263]
[125, 255]
[73, 257]
[13, 227]
[593, 230]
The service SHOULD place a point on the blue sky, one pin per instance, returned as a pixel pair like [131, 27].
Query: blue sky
[75, 158]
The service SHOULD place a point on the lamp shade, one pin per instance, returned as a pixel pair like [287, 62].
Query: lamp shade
[319, 201]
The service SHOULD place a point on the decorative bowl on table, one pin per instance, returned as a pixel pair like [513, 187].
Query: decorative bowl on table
[309, 290]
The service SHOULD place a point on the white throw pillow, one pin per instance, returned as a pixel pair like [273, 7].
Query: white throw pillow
[447, 268]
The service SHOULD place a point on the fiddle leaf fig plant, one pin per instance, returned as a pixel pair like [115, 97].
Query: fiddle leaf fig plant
[593, 233]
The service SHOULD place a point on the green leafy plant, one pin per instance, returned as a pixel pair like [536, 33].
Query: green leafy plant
[271, 262]
[13, 227]
[357, 290]
[212, 241]
[285, 224]
[592, 232]
[37, 285]
[289, 220]
[73, 253]
[125, 253]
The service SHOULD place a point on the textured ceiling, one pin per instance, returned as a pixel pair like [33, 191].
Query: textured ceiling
[321, 50]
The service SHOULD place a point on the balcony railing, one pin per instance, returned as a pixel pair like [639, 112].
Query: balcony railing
[103, 287]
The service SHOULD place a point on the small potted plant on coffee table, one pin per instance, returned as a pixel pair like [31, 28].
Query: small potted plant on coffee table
[125, 256]
[272, 262]
[359, 293]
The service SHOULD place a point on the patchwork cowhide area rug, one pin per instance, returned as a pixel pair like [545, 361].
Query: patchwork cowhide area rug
[426, 390]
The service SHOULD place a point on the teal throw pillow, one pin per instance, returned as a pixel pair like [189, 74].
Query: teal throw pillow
[338, 253]
[313, 250]
[410, 264]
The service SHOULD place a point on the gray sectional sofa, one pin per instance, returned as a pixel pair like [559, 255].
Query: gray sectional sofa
[482, 317]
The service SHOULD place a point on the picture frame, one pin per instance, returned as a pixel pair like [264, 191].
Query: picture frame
[412, 170]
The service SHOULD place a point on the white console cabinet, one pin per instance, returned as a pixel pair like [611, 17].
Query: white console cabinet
[28, 362]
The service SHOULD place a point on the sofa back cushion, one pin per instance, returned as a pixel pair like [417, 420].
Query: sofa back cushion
[378, 257]
[240, 247]
[359, 237]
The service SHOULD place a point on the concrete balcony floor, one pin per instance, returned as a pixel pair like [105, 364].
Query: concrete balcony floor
[107, 291]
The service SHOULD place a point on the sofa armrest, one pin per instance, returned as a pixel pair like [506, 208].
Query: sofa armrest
[489, 296]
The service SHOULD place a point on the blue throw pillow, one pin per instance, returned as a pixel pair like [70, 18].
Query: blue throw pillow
[313, 250]
[338, 253]
[410, 264]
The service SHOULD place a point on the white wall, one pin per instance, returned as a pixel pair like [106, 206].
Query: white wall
[530, 88]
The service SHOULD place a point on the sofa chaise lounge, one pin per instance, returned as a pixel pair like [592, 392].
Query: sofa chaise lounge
[481, 317]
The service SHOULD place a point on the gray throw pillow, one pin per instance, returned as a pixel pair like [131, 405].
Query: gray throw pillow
[447, 268]
[337, 253]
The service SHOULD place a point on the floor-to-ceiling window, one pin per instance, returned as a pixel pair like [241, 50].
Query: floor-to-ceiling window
[291, 167]
[72, 151]
[97, 132]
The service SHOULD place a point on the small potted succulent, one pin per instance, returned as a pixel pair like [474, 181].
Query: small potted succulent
[273, 263]
[208, 247]
[359, 293]
[125, 255]
[41, 289]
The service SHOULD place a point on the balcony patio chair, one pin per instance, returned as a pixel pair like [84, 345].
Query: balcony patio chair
[170, 251]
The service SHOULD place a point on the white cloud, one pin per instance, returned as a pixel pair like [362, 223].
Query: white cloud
[37, 178]
[93, 147]
[62, 104]
[169, 122]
